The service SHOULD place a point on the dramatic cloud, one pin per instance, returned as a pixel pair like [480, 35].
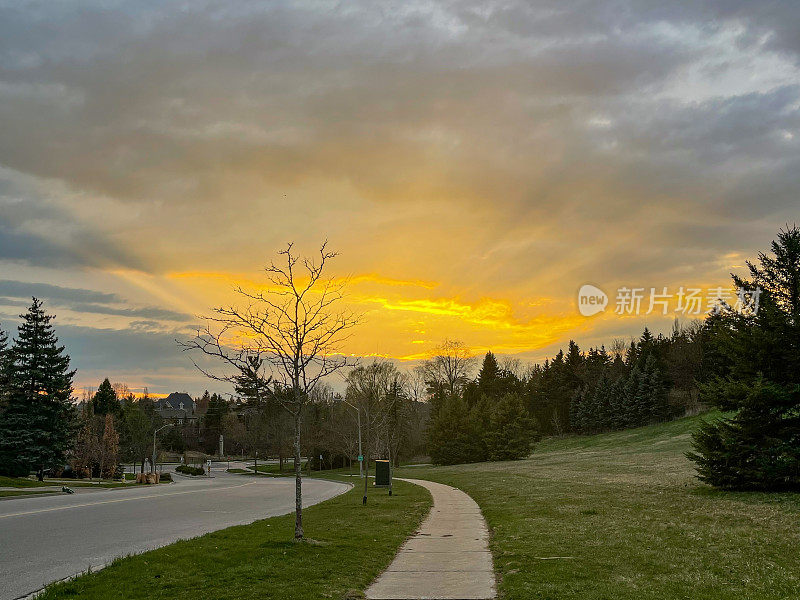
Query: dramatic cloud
[494, 156]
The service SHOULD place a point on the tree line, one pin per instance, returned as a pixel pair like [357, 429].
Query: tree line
[503, 410]
[746, 362]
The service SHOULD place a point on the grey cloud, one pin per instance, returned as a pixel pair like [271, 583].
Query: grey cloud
[149, 312]
[36, 231]
[83, 301]
[550, 121]
[23, 289]
[335, 78]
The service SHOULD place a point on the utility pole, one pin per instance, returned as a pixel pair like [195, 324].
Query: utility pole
[360, 453]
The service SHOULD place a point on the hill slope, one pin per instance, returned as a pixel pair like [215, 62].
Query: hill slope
[621, 515]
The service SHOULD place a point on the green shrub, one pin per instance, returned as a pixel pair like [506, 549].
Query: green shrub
[189, 470]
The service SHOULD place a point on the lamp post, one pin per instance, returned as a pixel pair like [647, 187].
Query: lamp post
[154, 444]
[360, 453]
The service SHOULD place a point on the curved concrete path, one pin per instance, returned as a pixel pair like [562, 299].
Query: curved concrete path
[447, 558]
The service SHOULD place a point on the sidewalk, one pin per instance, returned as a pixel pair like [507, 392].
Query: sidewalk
[447, 558]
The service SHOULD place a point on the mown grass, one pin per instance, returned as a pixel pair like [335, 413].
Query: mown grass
[28, 492]
[25, 482]
[349, 546]
[622, 516]
[274, 469]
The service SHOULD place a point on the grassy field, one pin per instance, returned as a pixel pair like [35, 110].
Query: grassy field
[25, 482]
[351, 545]
[621, 516]
[29, 492]
[274, 469]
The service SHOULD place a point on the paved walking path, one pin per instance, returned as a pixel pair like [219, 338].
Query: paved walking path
[447, 558]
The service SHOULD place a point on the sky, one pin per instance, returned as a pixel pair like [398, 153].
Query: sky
[474, 164]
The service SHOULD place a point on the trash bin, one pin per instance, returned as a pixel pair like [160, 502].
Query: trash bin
[383, 473]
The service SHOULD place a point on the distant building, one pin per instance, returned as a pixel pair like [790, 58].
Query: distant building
[178, 408]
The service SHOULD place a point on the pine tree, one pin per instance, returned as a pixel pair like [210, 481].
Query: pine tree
[455, 434]
[5, 364]
[36, 428]
[511, 432]
[105, 400]
[489, 373]
[759, 447]
[603, 396]
[577, 408]
[758, 377]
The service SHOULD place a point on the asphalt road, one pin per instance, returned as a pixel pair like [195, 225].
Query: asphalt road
[49, 538]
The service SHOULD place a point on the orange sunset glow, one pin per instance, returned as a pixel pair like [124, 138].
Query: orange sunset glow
[472, 166]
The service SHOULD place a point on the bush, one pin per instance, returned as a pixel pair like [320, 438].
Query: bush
[189, 470]
[166, 476]
[759, 447]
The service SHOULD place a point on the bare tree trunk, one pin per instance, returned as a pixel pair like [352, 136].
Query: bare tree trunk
[298, 482]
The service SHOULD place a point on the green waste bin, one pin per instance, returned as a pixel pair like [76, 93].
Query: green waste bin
[383, 473]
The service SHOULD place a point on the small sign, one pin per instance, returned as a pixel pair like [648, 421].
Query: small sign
[360, 458]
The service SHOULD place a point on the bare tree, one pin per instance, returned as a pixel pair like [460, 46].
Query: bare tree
[618, 348]
[450, 366]
[287, 337]
[514, 365]
[373, 389]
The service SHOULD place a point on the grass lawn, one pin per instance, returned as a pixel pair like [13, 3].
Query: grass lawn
[24, 482]
[351, 545]
[621, 516]
[274, 469]
[28, 492]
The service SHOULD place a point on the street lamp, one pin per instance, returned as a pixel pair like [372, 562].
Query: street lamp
[360, 453]
[154, 444]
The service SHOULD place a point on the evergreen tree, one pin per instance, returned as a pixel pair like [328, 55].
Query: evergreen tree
[758, 376]
[213, 422]
[455, 435]
[5, 365]
[37, 426]
[489, 373]
[511, 431]
[105, 400]
[604, 393]
[577, 411]
[759, 447]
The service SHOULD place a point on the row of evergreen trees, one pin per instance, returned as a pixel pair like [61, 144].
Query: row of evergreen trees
[486, 419]
[498, 414]
[652, 379]
[638, 397]
[37, 416]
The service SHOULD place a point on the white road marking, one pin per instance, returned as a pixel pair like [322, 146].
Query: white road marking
[43, 510]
